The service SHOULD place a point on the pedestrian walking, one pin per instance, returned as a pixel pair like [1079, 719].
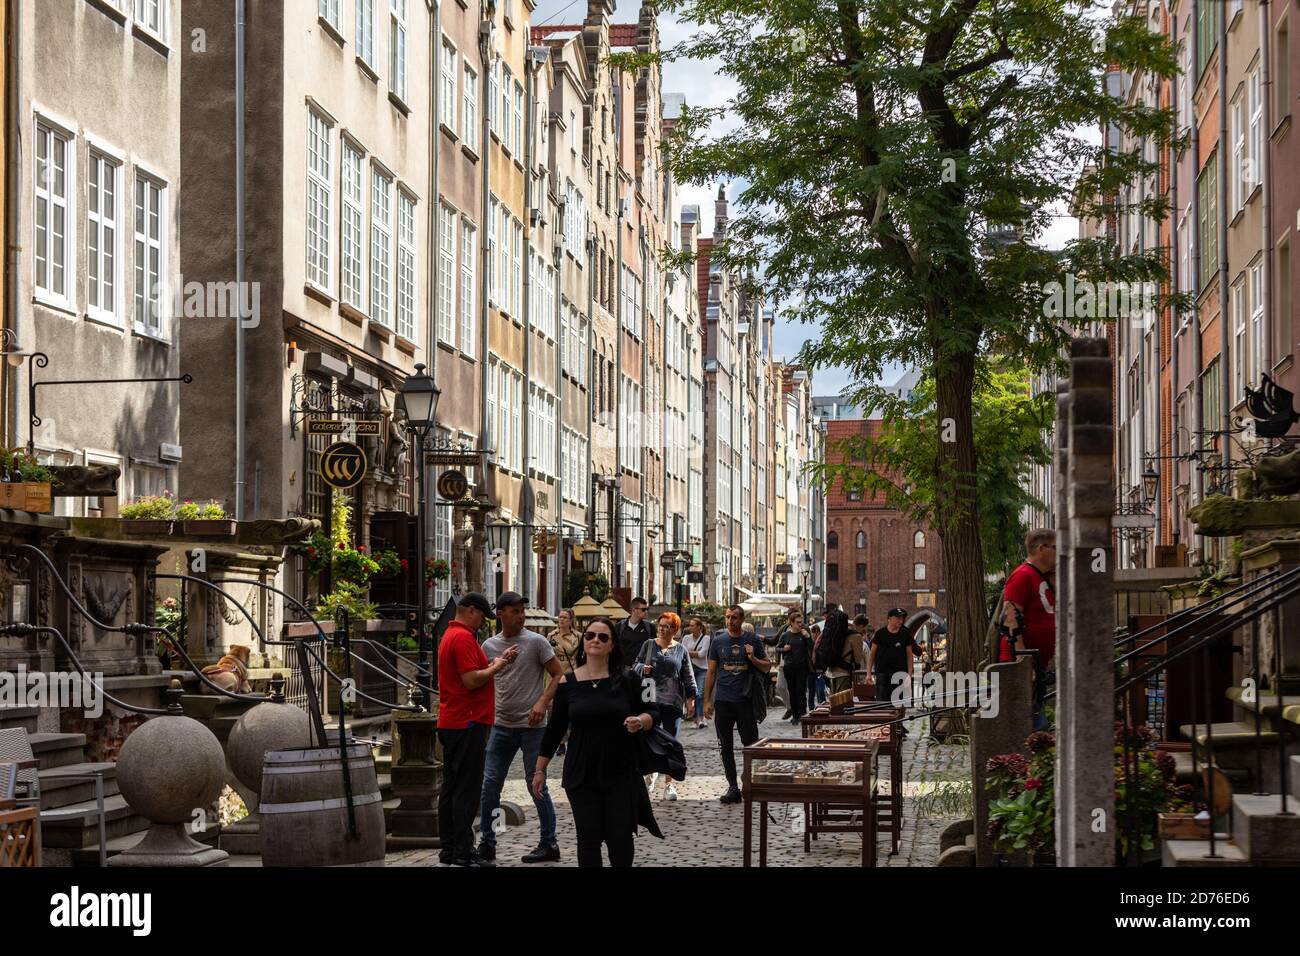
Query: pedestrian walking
[697, 645]
[738, 668]
[816, 675]
[634, 631]
[600, 705]
[565, 639]
[890, 661]
[666, 662]
[795, 642]
[1029, 589]
[522, 701]
[846, 653]
[466, 711]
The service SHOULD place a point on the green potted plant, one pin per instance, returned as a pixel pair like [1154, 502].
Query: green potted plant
[28, 485]
[149, 516]
[208, 519]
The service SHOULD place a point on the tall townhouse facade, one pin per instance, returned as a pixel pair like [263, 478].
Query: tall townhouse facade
[336, 277]
[1180, 380]
[93, 174]
[684, 306]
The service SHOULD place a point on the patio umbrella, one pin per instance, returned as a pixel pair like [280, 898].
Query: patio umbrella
[587, 607]
[536, 619]
[761, 608]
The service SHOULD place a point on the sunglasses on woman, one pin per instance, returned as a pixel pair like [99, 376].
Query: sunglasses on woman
[596, 636]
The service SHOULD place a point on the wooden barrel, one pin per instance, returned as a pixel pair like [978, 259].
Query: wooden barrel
[305, 813]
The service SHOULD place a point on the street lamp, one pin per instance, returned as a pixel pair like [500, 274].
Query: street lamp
[591, 559]
[681, 564]
[805, 569]
[1150, 479]
[499, 541]
[761, 573]
[417, 400]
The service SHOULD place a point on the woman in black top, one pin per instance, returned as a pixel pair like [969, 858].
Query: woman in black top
[796, 647]
[601, 708]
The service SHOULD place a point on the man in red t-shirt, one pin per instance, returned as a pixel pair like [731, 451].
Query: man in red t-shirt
[1030, 591]
[466, 711]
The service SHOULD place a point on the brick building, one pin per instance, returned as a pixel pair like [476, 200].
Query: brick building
[876, 557]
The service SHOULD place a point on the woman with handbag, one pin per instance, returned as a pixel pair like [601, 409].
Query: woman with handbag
[697, 646]
[599, 704]
[665, 661]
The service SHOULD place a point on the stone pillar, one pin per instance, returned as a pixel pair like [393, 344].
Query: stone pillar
[1002, 734]
[1085, 794]
[416, 776]
[1060, 489]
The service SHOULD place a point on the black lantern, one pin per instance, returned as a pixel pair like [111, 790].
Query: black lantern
[1150, 480]
[418, 399]
[591, 559]
[681, 564]
[499, 535]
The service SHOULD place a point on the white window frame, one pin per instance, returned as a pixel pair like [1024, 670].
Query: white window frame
[491, 264]
[49, 133]
[446, 273]
[467, 290]
[331, 11]
[494, 110]
[381, 247]
[1239, 345]
[151, 17]
[518, 137]
[148, 242]
[353, 251]
[1255, 114]
[447, 85]
[407, 299]
[1258, 338]
[469, 107]
[397, 47]
[505, 113]
[366, 32]
[320, 201]
[97, 227]
[1237, 131]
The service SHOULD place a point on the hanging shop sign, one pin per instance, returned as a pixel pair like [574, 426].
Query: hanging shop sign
[452, 485]
[343, 464]
[545, 542]
[367, 427]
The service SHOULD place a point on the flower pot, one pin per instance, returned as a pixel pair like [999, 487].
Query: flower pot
[209, 527]
[34, 496]
[1182, 826]
[146, 527]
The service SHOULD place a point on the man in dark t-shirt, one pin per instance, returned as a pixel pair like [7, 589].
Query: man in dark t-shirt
[733, 654]
[891, 657]
[634, 631]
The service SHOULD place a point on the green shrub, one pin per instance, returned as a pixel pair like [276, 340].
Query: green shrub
[150, 508]
[351, 598]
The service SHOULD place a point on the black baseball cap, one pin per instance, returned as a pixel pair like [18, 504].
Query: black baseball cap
[510, 599]
[896, 612]
[478, 602]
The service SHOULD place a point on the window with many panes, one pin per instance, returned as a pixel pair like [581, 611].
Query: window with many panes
[490, 263]
[150, 209]
[517, 270]
[397, 48]
[353, 249]
[103, 186]
[152, 16]
[381, 231]
[469, 107]
[447, 86]
[1208, 226]
[505, 113]
[406, 265]
[53, 247]
[319, 199]
[331, 11]
[366, 30]
[467, 288]
[446, 273]
[1258, 344]
[1239, 354]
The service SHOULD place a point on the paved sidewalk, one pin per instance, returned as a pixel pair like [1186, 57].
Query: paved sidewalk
[700, 831]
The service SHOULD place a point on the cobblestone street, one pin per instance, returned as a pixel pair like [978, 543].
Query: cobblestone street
[700, 831]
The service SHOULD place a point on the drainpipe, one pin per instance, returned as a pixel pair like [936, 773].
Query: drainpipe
[433, 229]
[14, 209]
[240, 438]
[1175, 320]
[1198, 477]
[485, 32]
[618, 389]
[1225, 333]
[1265, 162]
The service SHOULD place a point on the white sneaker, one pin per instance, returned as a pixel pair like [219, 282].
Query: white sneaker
[671, 792]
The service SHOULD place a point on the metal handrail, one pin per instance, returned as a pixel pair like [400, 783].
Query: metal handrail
[27, 630]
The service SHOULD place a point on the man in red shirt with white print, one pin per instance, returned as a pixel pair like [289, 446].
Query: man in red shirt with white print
[1030, 590]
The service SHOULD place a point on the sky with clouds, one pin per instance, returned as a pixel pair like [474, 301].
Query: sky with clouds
[704, 85]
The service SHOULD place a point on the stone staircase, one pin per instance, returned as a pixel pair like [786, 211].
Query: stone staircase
[75, 824]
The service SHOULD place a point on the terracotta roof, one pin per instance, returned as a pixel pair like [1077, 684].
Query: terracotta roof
[620, 34]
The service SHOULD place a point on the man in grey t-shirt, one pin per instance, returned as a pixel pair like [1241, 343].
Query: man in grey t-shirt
[522, 700]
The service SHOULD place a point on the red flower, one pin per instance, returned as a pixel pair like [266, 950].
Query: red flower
[361, 547]
[1033, 783]
[405, 564]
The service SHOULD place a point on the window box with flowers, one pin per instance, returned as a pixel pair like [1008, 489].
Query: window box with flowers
[151, 516]
[205, 520]
[435, 570]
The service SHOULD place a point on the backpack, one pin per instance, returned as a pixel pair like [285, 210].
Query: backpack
[830, 646]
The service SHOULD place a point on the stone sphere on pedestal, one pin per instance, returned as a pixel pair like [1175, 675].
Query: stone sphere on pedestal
[168, 768]
[265, 727]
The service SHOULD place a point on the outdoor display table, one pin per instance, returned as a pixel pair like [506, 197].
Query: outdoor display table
[863, 723]
[838, 776]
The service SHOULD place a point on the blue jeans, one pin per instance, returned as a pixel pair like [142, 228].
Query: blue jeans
[701, 674]
[816, 688]
[502, 746]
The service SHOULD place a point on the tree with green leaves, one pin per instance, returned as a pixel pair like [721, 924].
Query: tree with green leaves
[881, 147]
[897, 462]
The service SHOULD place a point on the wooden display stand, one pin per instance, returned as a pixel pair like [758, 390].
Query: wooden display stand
[20, 837]
[34, 496]
[890, 808]
[844, 807]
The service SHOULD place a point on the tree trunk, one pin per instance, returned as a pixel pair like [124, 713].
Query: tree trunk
[957, 510]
